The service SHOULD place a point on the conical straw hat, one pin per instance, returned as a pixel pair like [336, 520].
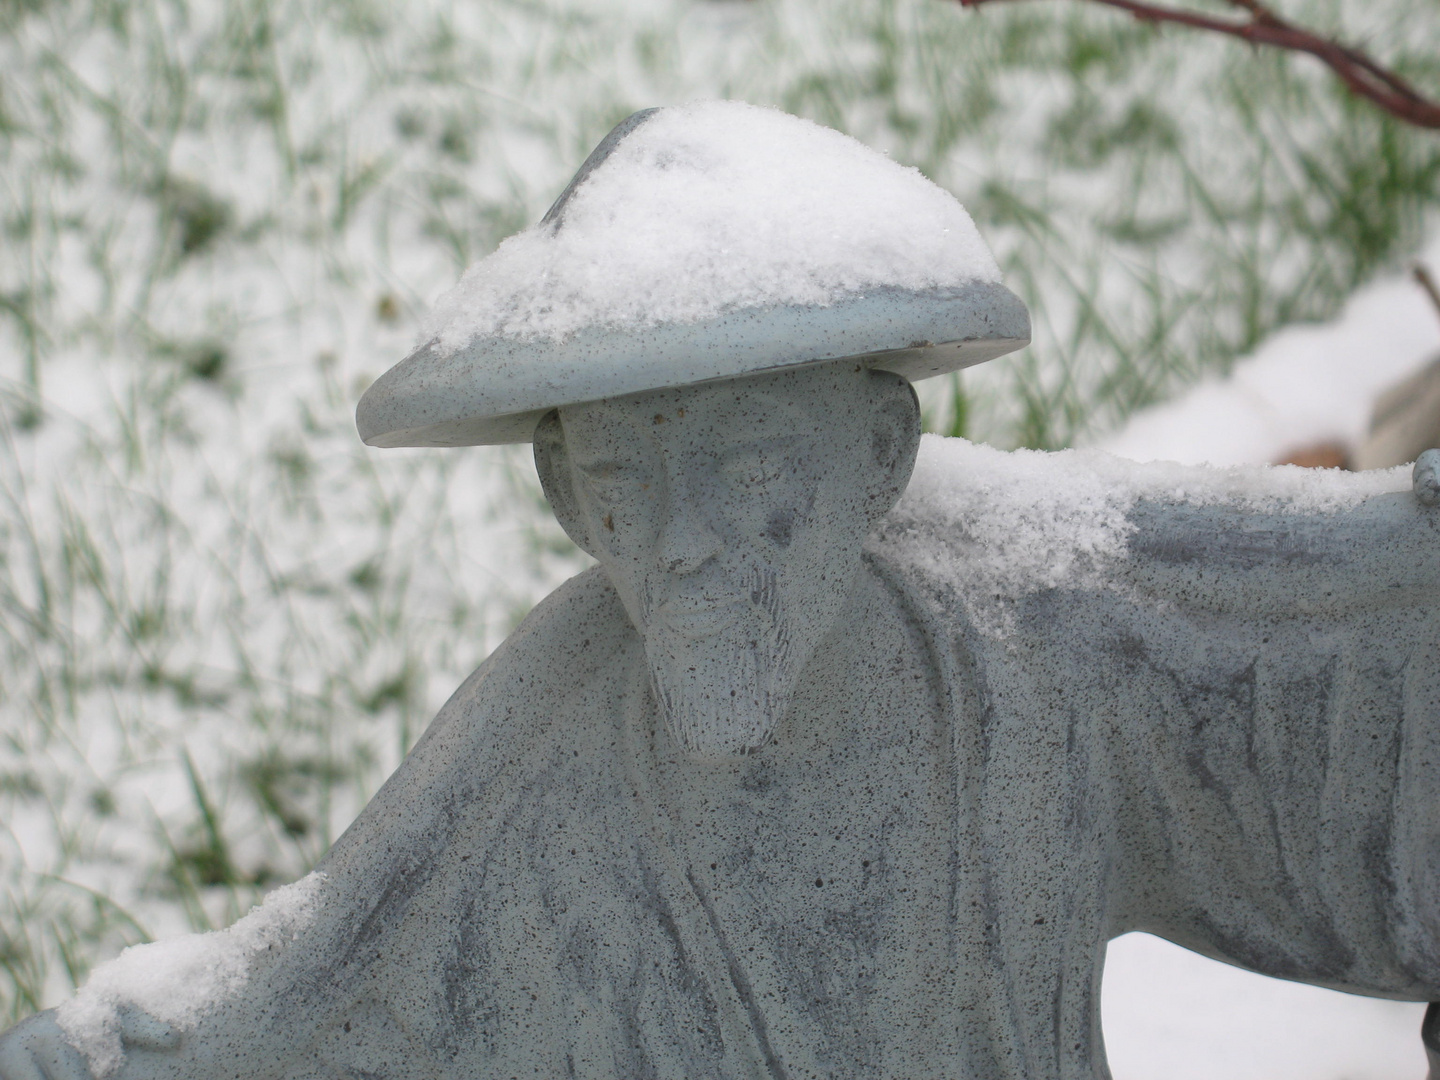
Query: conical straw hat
[698, 243]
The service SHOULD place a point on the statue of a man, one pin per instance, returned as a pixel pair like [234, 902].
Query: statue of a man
[799, 782]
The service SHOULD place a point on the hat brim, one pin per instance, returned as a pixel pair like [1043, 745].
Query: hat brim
[496, 389]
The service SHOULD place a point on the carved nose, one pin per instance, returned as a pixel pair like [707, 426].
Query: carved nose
[687, 544]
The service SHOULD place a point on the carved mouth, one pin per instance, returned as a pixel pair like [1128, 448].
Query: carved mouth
[700, 620]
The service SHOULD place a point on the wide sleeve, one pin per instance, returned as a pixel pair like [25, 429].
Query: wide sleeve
[1265, 685]
[468, 771]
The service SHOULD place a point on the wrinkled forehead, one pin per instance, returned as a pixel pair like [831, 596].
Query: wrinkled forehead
[706, 416]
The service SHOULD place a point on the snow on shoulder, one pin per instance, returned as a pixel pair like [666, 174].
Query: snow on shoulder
[711, 207]
[178, 980]
[993, 526]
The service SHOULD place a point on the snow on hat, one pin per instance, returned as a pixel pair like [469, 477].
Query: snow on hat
[701, 242]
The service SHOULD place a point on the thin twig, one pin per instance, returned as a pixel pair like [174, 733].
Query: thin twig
[1364, 76]
[1421, 273]
[1258, 11]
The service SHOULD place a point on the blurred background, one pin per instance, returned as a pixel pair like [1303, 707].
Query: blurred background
[223, 621]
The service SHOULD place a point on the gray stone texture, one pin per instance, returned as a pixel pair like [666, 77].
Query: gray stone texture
[1232, 740]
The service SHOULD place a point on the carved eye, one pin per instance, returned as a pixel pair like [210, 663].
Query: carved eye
[610, 481]
[753, 467]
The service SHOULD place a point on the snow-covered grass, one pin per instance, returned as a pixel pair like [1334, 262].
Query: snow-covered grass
[222, 620]
[1307, 385]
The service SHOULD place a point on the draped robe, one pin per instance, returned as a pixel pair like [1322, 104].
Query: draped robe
[1228, 734]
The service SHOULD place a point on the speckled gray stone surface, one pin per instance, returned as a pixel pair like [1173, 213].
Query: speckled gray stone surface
[1232, 740]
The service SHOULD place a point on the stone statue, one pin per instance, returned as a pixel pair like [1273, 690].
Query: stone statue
[807, 779]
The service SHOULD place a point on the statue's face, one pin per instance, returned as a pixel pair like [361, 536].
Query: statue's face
[730, 517]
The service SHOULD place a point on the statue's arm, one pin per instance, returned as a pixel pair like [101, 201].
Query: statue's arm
[464, 766]
[470, 766]
[1274, 727]
[1385, 550]
[292, 986]
[37, 1048]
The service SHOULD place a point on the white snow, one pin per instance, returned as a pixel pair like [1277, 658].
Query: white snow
[716, 206]
[176, 981]
[1303, 386]
[1173, 1014]
[999, 525]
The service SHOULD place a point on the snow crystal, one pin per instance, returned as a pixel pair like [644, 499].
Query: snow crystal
[712, 207]
[179, 980]
[996, 526]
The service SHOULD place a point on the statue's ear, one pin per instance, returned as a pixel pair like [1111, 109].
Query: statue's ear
[895, 440]
[552, 462]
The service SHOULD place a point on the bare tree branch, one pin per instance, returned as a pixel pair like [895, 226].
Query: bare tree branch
[1421, 273]
[1360, 73]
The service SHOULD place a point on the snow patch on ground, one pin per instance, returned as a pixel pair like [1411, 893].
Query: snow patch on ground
[1173, 1014]
[1303, 386]
[711, 207]
[177, 981]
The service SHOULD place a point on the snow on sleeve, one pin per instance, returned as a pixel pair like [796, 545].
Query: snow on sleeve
[995, 526]
[177, 981]
[711, 207]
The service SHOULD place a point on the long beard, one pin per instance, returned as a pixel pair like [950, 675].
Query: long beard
[722, 696]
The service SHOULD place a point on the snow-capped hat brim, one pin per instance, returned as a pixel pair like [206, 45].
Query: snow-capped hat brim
[697, 243]
[496, 389]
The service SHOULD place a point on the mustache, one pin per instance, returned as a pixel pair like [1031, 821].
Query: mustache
[765, 594]
[759, 595]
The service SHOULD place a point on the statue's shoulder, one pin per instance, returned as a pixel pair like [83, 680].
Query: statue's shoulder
[980, 530]
[582, 614]
[535, 693]
[564, 650]
[992, 534]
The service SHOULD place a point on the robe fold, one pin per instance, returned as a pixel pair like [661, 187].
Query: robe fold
[1227, 734]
